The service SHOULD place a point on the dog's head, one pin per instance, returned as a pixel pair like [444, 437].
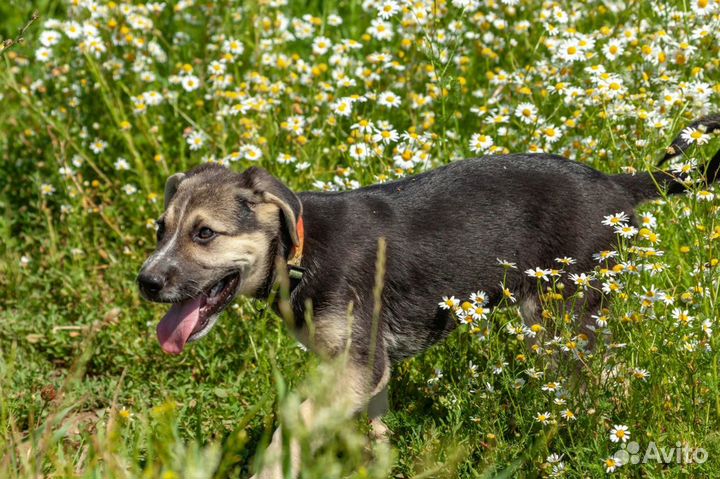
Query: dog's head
[217, 238]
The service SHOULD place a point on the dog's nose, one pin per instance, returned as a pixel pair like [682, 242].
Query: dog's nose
[150, 284]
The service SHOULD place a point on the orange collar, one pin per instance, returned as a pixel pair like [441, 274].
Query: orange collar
[297, 250]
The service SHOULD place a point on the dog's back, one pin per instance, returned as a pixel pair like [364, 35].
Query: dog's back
[445, 230]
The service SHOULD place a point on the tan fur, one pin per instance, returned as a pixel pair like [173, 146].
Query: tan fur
[530, 311]
[328, 335]
[291, 220]
[249, 252]
[379, 430]
[267, 215]
[207, 217]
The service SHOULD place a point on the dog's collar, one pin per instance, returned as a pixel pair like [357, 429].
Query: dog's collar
[295, 271]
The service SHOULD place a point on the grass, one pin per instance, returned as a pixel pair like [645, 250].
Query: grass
[85, 391]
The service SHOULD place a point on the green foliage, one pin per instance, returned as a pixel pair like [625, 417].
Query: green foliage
[96, 115]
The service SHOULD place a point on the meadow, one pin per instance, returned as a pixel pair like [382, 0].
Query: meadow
[102, 100]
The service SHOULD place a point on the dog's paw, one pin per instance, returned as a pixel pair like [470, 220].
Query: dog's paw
[379, 431]
[268, 474]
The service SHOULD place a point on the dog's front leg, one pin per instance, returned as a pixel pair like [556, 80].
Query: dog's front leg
[353, 386]
[377, 408]
[272, 460]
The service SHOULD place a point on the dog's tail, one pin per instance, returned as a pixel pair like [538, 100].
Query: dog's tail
[646, 186]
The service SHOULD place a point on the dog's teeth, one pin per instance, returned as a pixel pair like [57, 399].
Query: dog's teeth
[216, 289]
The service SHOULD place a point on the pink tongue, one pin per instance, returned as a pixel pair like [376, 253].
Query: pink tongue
[178, 324]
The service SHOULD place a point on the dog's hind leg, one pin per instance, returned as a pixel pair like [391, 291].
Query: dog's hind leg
[531, 314]
[531, 311]
[584, 311]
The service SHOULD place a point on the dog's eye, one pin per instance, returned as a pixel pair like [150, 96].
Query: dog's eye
[205, 233]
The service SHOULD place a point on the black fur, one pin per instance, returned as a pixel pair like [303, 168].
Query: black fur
[445, 230]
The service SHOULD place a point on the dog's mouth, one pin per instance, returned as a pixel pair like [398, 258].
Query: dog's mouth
[193, 318]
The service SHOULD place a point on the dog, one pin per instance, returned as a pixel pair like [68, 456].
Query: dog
[225, 234]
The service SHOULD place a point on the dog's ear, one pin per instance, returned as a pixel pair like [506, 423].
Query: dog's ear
[171, 186]
[272, 190]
